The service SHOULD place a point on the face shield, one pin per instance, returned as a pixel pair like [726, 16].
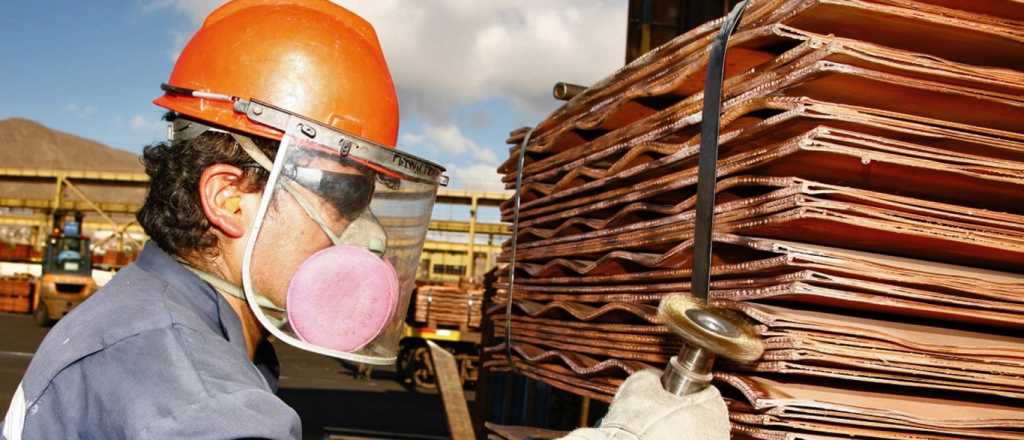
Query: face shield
[330, 260]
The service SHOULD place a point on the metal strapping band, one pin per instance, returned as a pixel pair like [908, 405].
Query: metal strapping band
[707, 171]
[512, 257]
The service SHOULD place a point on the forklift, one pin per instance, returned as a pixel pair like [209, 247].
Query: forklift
[66, 278]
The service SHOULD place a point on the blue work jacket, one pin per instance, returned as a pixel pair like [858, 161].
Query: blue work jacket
[154, 354]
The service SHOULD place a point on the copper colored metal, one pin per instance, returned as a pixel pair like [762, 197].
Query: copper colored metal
[564, 91]
[813, 62]
[869, 221]
[456, 305]
[805, 342]
[823, 214]
[1002, 40]
[826, 156]
[867, 407]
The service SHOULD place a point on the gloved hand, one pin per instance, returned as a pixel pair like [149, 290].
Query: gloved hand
[642, 409]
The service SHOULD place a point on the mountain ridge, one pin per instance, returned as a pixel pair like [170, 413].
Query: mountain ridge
[25, 143]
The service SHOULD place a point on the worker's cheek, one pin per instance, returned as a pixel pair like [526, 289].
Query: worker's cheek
[288, 237]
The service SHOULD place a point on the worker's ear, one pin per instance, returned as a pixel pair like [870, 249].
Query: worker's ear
[220, 192]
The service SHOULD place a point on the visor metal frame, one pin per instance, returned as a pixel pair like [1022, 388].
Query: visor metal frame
[388, 160]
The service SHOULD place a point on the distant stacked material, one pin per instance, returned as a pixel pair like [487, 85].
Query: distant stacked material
[15, 252]
[456, 305]
[16, 294]
[869, 220]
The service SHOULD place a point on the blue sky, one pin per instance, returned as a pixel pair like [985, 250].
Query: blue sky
[467, 71]
[88, 68]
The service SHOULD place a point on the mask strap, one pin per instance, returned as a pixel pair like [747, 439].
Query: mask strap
[256, 154]
[228, 288]
[312, 213]
[366, 231]
[253, 151]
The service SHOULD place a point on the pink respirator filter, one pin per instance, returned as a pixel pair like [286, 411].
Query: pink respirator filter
[342, 298]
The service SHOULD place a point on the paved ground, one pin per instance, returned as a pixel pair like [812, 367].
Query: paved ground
[323, 391]
[18, 341]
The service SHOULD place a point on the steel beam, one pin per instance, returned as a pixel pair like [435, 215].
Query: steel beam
[450, 246]
[444, 195]
[460, 226]
[81, 176]
[69, 205]
[464, 197]
[44, 222]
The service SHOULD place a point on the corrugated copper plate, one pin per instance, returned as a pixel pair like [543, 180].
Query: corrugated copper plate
[821, 214]
[857, 20]
[866, 177]
[768, 395]
[871, 76]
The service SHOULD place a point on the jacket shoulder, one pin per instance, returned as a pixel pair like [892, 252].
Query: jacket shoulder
[147, 382]
[129, 304]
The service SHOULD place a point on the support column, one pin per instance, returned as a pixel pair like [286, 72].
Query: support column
[490, 255]
[471, 265]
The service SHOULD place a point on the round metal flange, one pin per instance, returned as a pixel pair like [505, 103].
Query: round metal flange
[720, 331]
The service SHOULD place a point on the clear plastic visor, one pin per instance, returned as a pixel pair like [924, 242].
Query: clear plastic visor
[335, 246]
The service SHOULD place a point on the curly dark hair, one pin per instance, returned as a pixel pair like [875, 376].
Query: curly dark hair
[172, 214]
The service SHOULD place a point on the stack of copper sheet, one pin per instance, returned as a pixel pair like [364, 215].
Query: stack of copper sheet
[869, 219]
[113, 258]
[15, 252]
[456, 305]
[16, 293]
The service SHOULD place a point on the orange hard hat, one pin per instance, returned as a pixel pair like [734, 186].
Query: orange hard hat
[309, 57]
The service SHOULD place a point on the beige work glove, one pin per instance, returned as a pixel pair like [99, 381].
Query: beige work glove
[643, 410]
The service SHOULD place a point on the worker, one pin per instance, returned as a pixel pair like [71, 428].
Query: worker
[278, 207]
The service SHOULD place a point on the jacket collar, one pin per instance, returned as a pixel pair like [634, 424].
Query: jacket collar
[214, 310]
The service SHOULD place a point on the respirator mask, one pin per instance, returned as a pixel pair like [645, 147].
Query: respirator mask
[350, 277]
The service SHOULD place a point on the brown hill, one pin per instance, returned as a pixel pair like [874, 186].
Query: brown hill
[28, 144]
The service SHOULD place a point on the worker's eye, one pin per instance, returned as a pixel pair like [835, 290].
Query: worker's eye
[349, 194]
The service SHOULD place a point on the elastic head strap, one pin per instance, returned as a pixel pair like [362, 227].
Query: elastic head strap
[256, 154]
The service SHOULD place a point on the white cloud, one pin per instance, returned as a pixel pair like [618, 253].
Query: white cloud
[449, 52]
[477, 177]
[177, 44]
[445, 53]
[151, 126]
[411, 139]
[195, 10]
[81, 111]
[448, 139]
